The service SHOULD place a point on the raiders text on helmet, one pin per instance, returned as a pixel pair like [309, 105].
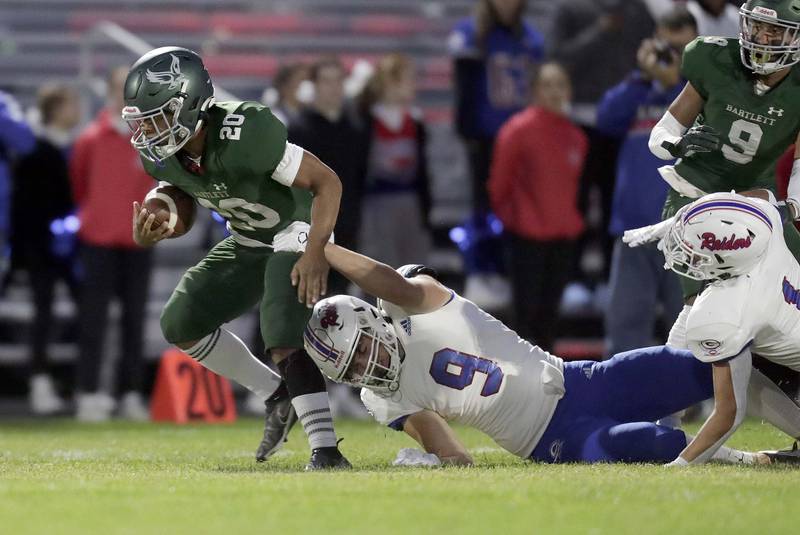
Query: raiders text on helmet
[720, 236]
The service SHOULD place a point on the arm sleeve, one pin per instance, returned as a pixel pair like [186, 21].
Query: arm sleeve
[694, 63]
[15, 133]
[287, 168]
[387, 411]
[617, 109]
[741, 366]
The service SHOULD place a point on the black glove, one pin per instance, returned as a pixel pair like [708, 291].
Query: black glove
[700, 138]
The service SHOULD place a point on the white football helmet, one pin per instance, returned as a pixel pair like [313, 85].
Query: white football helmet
[351, 342]
[717, 237]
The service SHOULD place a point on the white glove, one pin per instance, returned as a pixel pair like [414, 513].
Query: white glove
[640, 236]
[415, 457]
[293, 238]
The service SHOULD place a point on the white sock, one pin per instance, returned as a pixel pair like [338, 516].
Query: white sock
[314, 412]
[225, 354]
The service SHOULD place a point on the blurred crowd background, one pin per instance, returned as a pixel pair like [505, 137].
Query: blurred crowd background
[503, 142]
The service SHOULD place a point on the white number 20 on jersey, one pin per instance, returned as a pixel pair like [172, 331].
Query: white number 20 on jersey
[232, 128]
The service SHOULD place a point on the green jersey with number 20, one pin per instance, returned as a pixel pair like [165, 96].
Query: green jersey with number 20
[762, 126]
[245, 143]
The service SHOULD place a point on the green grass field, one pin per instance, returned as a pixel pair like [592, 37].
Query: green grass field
[61, 477]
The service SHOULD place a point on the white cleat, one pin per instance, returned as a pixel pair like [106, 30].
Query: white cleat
[133, 407]
[94, 407]
[42, 396]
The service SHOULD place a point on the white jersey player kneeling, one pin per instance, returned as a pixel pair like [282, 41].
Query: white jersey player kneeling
[750, 306]
[425, 356]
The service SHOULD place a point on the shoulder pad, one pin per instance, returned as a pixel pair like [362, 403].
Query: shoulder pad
[409, 271]
[255, 141]
[717, 328]
[701, 60]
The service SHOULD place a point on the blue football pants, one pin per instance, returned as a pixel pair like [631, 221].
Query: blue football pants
[608, 410]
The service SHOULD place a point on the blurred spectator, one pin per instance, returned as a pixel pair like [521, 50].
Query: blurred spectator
[493, 53]
[283, 97]
[326, 129]
[715, 17]
[16, 138]
[397, 199]
[536, 168]
[41, 197]
[596, 40]
[107, 176]
[638, 281]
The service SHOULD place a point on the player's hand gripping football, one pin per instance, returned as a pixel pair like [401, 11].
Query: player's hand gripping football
[143, 232]
[700, 138]
[310, 275]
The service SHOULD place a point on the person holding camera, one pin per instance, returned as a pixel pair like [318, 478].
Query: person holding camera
[638, 282]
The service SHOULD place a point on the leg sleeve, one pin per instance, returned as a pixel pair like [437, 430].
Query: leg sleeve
[648, 384]
[221, 287]
[283, 318]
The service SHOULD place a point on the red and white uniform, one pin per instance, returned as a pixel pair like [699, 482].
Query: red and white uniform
[468, 367]
[761, 308]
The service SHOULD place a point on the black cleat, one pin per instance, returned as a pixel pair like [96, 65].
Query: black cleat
[329, 458]
[791, 456]
[280, 417]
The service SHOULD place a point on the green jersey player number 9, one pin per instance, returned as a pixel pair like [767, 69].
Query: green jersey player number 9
[737, 114]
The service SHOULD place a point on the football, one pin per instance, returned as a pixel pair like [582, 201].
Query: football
[173, 205]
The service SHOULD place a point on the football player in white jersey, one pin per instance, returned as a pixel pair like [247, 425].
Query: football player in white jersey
[750, 306]
[426, 356]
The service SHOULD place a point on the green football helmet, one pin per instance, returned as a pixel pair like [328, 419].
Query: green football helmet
[769, 35]
[166, 94]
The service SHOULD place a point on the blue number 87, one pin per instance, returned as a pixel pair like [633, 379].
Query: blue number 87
[445, 359]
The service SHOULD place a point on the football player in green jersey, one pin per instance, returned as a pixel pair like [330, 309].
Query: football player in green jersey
[233, 157]
[734, 118]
